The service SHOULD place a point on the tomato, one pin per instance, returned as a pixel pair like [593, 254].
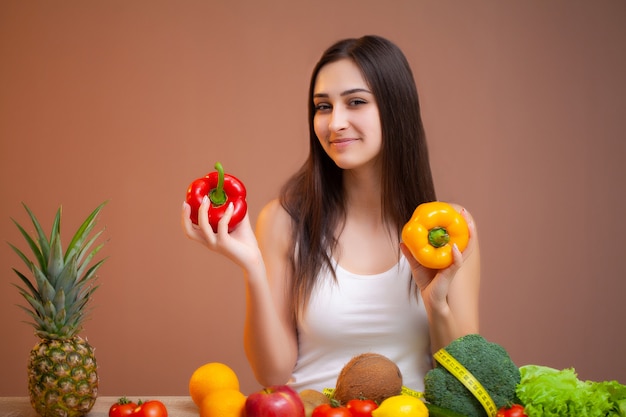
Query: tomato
[122, 408]
[515, 410]
[328, 410]
[152, 408]
[361, 408]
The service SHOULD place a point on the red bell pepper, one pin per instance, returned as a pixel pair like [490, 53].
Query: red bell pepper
[221, 189]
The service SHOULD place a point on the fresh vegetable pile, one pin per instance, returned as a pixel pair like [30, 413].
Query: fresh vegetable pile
[527, 391]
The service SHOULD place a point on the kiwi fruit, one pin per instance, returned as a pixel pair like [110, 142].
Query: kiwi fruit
[368, 376]
[311, 399]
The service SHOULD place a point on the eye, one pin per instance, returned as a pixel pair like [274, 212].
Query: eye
[322, 107]
[353, 102]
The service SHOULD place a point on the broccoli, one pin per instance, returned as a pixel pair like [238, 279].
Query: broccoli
[491, 366]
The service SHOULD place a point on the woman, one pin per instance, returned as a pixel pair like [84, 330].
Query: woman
[326, 277]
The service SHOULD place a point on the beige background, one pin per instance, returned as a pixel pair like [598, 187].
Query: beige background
[128, 101]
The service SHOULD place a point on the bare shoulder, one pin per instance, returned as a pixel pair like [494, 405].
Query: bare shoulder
[272, 216]
[273, 226]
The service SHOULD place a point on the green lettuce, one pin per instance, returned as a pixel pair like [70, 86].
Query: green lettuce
[548, 392]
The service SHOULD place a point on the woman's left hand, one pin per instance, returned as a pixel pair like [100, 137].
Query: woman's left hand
[435, 283]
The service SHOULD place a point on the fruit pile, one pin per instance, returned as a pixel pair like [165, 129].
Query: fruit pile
[473, 378]
[370, 385]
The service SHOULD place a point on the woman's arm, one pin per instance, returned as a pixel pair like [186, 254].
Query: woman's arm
[270, 337]
[451, 294]
[270, 334]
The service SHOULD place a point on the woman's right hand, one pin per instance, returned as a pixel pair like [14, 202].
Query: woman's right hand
[240, 245]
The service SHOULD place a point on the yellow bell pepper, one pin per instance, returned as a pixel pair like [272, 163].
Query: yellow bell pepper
[431, 232]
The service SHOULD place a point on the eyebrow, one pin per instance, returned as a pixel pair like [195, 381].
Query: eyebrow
[345, 93]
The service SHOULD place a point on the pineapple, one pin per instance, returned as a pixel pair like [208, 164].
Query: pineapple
[62, 370]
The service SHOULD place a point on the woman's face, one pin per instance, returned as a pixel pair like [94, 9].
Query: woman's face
[346, 120]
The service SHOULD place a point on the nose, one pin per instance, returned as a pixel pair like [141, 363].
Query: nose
[338, 119]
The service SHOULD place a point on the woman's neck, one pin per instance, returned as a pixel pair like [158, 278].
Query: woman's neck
[363, 193]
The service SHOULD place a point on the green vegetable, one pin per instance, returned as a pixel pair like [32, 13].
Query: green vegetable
[488, 362]
[434, 411]
[547, 392]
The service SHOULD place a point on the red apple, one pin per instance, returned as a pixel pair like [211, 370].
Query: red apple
[274, 401]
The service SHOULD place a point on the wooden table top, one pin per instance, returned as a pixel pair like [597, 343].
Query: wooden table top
[176, 407]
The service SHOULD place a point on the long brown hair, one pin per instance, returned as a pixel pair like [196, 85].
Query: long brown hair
[314, 195]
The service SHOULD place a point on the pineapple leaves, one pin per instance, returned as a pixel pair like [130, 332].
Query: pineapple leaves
[33, 246]
[61, 284]
[83, 264]
[59, 305]
[55, 260]
[76, 244]
[46, 290]
[92, 270]
[44, 246]
[38, 322]
[27, 282]
[67, 278]
[37, 308]
[49, 310]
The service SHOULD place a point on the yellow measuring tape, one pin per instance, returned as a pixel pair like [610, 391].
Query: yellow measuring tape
[329, 392]
[466, 378]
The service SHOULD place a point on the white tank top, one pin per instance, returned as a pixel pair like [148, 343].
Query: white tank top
[359, 314]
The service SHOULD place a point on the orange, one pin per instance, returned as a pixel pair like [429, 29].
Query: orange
[223, 403]
[211, 377]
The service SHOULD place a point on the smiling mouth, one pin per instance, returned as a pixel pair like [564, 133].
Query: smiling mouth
[340, 141]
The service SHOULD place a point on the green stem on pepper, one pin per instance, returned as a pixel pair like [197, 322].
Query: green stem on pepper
[438, 237]
[217, 195]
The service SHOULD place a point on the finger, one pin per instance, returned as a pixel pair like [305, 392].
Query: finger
[222, 225]
[409, 256]
[203, 220]
[471, 226]
[471, 229]
[185, 219]
[457, 259]
[243, 231]
[422, 276]
[455, 265]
